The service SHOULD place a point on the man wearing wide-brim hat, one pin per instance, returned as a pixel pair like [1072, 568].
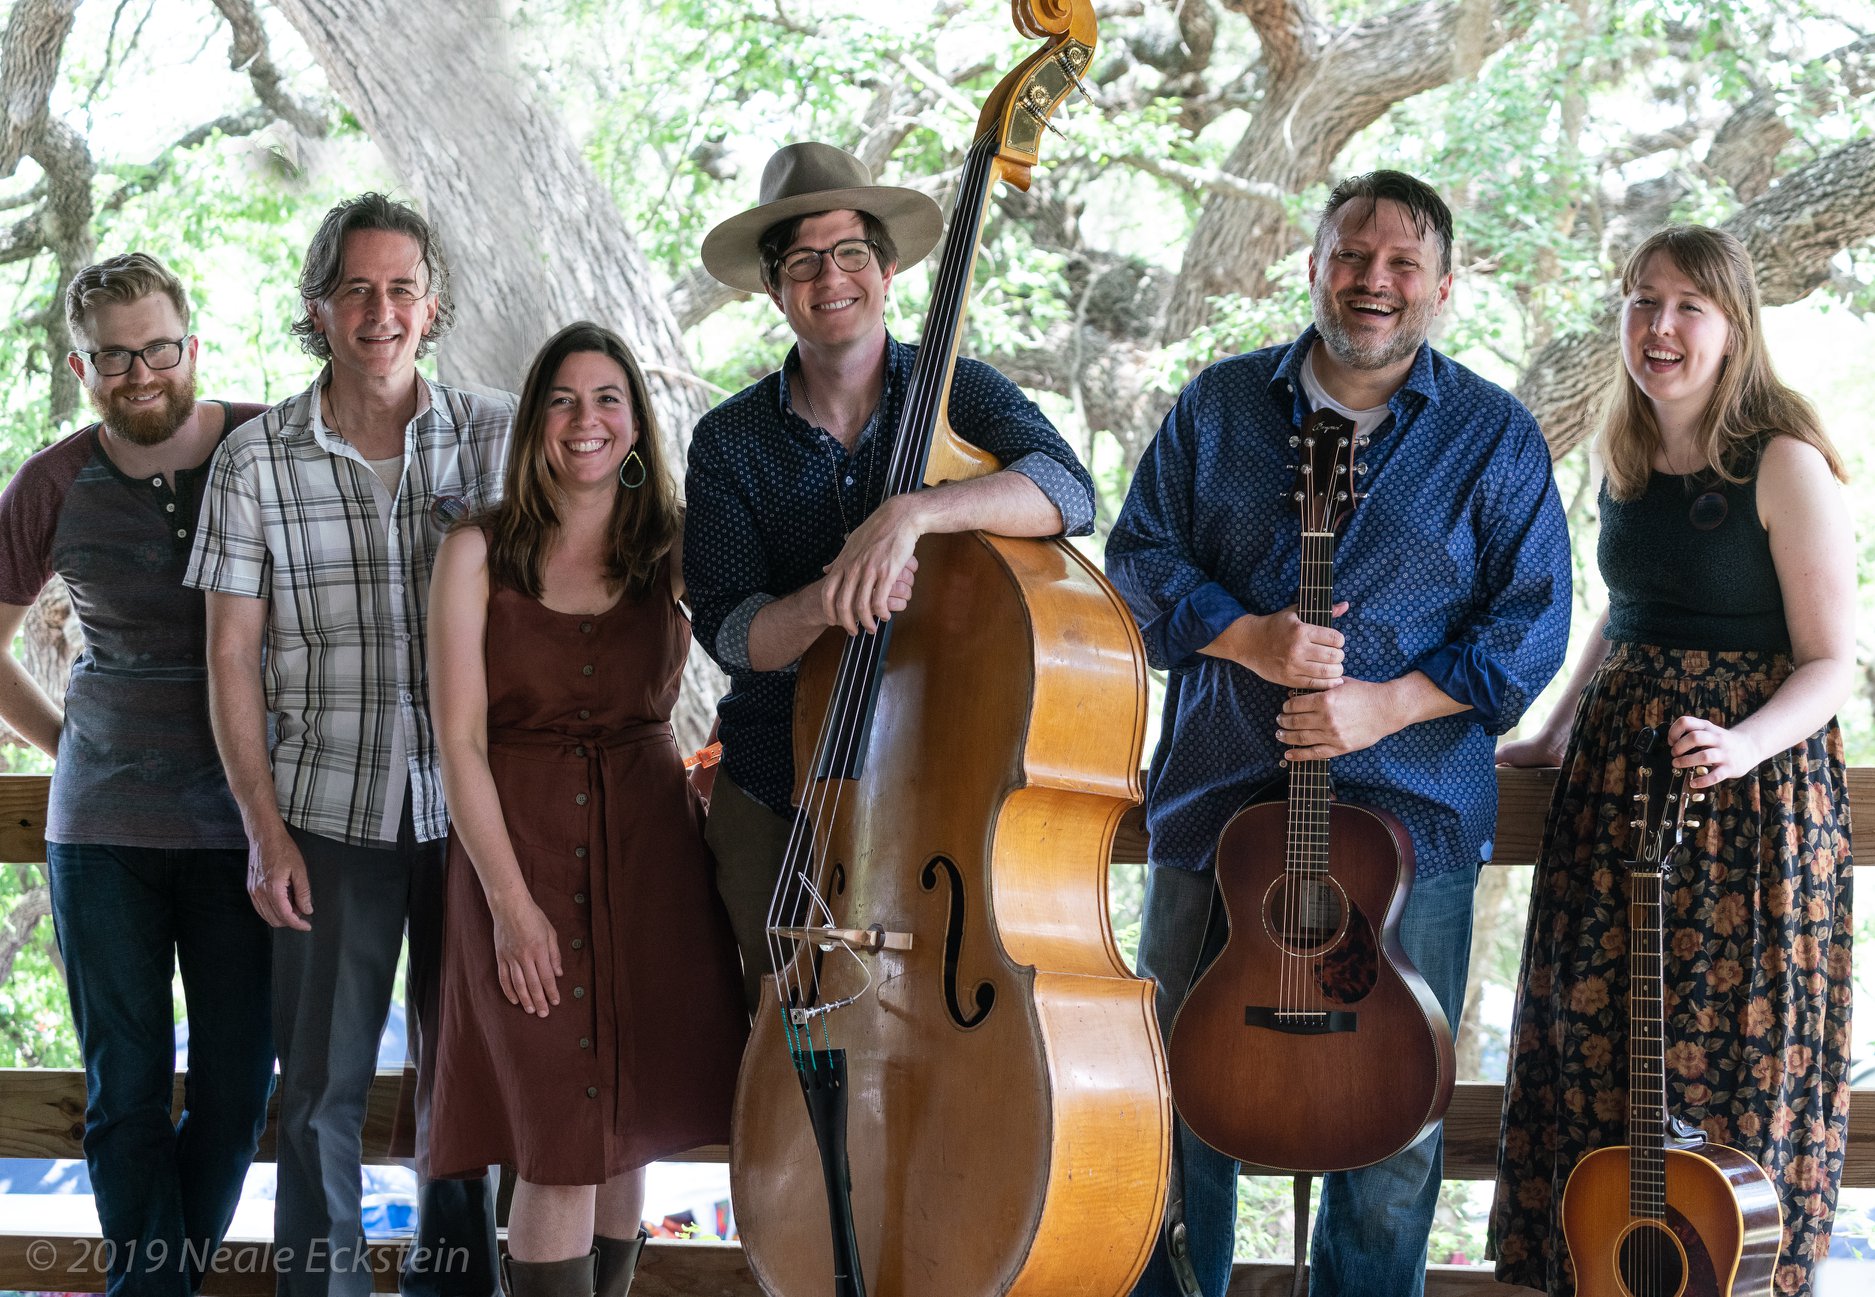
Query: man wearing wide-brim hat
[785, 533]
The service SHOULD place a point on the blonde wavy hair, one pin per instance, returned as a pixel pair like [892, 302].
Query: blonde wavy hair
[1749, 404]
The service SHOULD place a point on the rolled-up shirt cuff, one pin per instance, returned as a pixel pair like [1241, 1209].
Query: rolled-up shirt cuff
[1196, 620]
[1468, 675]
[732, 637]
[1063, 490]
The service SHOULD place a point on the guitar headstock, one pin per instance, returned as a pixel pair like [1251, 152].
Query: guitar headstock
[1666, 804]
[1325, 471]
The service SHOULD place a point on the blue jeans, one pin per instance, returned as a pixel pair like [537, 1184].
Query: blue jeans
[126, 917]
[1371, 1230]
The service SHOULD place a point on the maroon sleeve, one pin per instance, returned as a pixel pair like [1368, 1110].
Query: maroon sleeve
[240, 412]
[29, 515]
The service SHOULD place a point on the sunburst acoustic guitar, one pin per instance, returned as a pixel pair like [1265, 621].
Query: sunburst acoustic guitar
[1667, 1214]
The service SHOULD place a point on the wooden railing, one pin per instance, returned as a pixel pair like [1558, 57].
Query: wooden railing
[42, 1115]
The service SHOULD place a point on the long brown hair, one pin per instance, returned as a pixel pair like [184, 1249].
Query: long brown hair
[520, 528]
[1749, 404]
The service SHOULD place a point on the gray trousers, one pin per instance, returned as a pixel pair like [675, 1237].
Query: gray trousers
[331, 995]
[748, 841]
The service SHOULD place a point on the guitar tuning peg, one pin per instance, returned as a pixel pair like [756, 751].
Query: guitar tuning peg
[1638, 797]
[1361, 469]
[1637, 824]
[1692, 824]
[1294, 442]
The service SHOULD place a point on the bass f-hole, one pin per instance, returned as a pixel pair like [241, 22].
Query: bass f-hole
[985, 993]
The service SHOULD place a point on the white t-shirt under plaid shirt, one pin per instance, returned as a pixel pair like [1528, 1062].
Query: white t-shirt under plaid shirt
[293, 514]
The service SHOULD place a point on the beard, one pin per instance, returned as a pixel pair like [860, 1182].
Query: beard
[147, 425]
[1414, 323]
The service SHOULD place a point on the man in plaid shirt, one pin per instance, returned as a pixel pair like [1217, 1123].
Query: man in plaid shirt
[318, 530]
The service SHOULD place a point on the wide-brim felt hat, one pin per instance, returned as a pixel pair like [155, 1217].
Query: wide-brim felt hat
[802, 179]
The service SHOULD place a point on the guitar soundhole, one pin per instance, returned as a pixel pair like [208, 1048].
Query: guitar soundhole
[1305, 916]
[1651, 1262]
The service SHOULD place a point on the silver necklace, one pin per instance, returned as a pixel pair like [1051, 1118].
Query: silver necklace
[833, 463]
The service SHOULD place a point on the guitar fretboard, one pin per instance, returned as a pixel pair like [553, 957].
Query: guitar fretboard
[1647, 1087]
[1309, 789]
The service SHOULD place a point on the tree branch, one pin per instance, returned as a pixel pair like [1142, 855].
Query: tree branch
[1207, 180]
[35, 42]
[1744, 152]
[250, 51]
[1283, 27]
[16, 933]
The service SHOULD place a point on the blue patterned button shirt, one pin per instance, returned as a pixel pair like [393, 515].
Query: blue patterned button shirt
[1456, 563]
[769, 501]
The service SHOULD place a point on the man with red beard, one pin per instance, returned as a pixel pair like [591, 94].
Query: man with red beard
[143, 841]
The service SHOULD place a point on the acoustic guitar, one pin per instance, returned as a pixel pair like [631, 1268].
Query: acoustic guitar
[1667, 1214]
[1311, 1043]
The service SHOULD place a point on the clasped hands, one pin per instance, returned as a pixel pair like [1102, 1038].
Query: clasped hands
[1329, 714]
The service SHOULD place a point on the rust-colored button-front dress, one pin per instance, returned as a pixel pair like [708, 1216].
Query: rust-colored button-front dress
[638, 1060]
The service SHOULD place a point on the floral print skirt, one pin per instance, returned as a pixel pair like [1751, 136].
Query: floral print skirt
[1757, 926]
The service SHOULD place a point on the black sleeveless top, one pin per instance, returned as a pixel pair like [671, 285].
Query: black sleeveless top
[1688, 566]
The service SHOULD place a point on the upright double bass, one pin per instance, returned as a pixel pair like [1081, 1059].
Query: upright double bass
[955, 1086]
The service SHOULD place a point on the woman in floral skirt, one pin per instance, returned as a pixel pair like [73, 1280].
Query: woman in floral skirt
[1729, 560]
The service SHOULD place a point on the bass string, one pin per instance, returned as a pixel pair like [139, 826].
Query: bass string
[804, 881]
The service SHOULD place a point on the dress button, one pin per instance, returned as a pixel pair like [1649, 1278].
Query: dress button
[585, 628]
[586, 670]
[580, 852]
[579, 943]
[580, 751]
[592, 1092]
[585, 1042]
[580, 800]
[585, 714]
[169, 508]
[183, 534]
[579, 898]
[579, 993]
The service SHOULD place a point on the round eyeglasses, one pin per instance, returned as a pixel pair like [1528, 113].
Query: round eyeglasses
[850, 255]
[115, 361]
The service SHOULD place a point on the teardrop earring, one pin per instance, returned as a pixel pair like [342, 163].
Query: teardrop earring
[628, 479]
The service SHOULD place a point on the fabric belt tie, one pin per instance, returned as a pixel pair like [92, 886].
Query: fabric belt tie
[602, 758]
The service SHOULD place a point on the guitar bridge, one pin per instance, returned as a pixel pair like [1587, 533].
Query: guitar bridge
[1299, 1022]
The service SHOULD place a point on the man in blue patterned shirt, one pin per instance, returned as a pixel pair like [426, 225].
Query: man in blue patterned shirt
[1455, 573]
[786, 534]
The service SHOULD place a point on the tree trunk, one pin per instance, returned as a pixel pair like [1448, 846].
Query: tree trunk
[534, 240]
[1322, 86]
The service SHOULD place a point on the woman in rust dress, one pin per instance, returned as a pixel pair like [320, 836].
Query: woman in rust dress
[592, 1017]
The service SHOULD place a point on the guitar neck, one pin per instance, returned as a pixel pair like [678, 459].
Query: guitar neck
[1647, 1089]
[1309, 789]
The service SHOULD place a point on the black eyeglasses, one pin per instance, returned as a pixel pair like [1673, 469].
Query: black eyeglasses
[850, 255]
[114, 361]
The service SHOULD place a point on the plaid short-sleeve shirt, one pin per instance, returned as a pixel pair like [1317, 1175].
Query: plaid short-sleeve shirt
[291, 515]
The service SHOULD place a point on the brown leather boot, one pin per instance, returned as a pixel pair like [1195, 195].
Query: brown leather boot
[572, 1277]
[618, 1262]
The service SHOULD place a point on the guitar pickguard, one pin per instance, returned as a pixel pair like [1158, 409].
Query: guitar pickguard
[1347, 973]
